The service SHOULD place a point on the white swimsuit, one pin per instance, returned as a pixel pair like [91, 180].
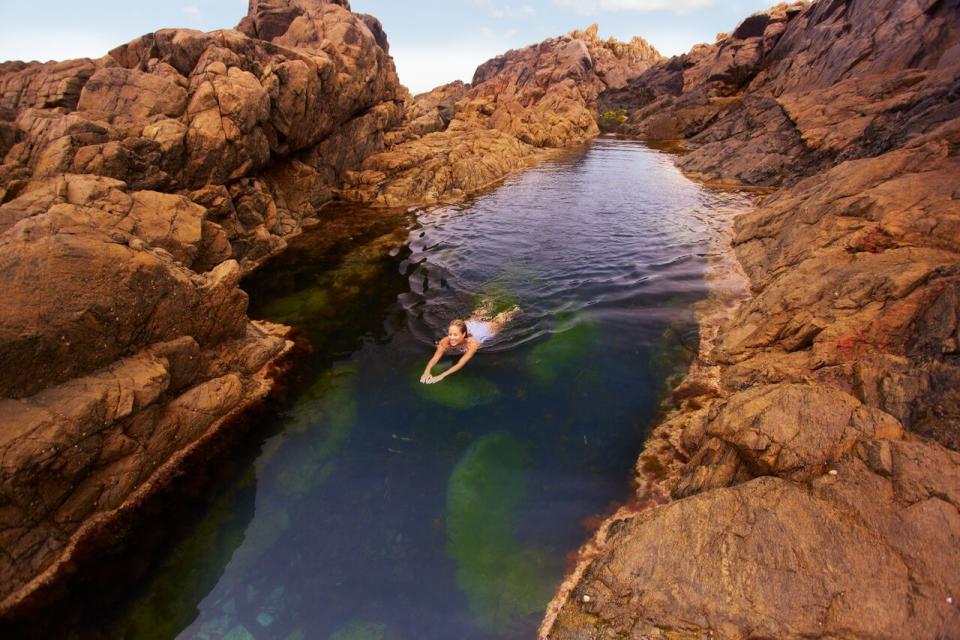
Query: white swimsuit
[480, 330]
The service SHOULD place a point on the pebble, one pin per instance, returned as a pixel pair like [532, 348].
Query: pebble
[586, 598]
[833, 472]
[949, 600]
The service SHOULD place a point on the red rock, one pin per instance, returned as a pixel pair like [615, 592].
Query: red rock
[814, 494]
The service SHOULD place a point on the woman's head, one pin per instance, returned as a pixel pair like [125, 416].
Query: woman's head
[457, 331]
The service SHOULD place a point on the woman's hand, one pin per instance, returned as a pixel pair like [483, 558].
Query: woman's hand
[425, 378]
[433, 379]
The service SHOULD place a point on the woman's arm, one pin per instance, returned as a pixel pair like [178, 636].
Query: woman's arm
[441, 347]
[471, 349]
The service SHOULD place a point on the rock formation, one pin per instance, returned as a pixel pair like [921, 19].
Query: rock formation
[814, 490]
[459, 139]
[810, 489]
[136, 191]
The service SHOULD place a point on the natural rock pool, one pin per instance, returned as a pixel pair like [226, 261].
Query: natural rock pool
[379, 507]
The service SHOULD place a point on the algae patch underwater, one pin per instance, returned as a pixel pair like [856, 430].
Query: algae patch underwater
[463, 390]
[320, 424]
[563, 353]
[503, 579]
[364, 630]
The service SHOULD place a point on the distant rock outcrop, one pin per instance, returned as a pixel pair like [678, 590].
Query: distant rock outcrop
[463, 138]
[814, 490]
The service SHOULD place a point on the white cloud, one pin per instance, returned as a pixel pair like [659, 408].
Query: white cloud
[497, 10]
[593, 7]
[191, 12]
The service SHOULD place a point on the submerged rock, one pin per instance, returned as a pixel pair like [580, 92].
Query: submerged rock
[462, 391]
[502, 578]
[563, 353]
[364, 630]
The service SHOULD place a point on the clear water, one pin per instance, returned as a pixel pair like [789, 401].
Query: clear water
[382, 508]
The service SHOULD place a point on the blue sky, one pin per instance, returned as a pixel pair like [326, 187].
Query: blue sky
[432, 42]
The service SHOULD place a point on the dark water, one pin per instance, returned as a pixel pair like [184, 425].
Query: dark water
[382, 508]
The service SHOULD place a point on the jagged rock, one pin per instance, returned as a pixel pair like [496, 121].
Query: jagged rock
[459, 139]
[796, 89]
[136, 191]
[440, 167]
[838, 379]
[769, 558]
[43, 86]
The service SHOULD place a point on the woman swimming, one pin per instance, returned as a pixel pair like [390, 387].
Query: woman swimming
[465, 337]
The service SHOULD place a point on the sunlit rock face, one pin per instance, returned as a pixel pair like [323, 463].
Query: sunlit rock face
[833, 432]
[458, 138]
[135, 191]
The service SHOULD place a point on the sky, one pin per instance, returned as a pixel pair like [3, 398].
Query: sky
[431, 42]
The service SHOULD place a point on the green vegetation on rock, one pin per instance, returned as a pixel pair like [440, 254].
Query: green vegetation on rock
[613, 118]
[168, 605]
[334, 289]
[311, 303]
[502, 579]
[671, 357]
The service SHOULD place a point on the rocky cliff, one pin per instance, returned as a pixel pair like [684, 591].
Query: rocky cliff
[808, 478]
[459, 138]
[810, 485]
[136, 190]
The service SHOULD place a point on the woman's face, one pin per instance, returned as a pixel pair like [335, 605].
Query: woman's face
[455, 335]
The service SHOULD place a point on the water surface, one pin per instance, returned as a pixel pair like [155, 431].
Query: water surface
[383, 508]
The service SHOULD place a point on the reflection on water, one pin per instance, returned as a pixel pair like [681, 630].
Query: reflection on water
[384, 508]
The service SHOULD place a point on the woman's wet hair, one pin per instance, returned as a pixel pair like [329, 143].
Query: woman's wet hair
[459, 324]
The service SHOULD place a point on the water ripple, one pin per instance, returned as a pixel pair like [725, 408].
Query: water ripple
[618, 227]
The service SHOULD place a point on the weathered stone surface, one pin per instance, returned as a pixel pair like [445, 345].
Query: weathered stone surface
[769, 558]
[814, 489]
[458, 139]
[136, 190]
[796, 89]
[44, 86]
[788, 430]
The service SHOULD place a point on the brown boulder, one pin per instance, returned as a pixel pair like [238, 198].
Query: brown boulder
[43, 86]
[794, 431]
[769, 558]
[118, 92]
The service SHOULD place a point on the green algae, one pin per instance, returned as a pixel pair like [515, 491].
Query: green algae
[293, 309]
[564, 354]
[187, 574]
[503, 579]
[320, 424]
[462, 390]
[239, 633]
[337, 287]
[363, 630]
